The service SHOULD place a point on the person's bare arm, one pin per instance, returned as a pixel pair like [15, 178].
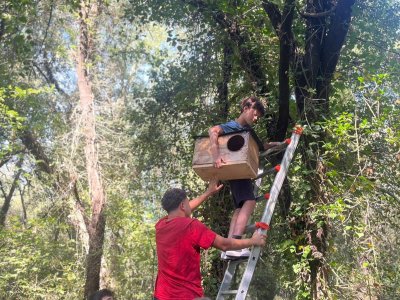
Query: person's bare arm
[269, 145]
[213, 187]
[214, 132]
[225, 244]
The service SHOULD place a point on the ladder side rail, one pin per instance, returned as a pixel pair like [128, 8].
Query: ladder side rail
[227, 280]
[280, 177]
[266, 218]
[232, 265]
[248, 273]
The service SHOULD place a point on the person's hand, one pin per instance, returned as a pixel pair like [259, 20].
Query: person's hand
[258, 238]
[219, 162]
[271, 145]
[214, 186]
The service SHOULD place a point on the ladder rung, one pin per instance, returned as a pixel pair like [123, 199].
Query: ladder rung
[230, 292]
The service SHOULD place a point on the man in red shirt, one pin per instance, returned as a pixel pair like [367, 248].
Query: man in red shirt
[179, 239]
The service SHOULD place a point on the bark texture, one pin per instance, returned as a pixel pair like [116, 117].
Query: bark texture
[97, 221]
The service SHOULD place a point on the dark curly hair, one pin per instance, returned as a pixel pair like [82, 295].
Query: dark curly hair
[100, 294]
[254, 102]
[172, 198]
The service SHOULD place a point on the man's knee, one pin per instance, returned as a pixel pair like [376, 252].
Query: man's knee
[249, 204]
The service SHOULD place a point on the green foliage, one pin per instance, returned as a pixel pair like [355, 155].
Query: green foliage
[15, 102]
[39, 263]
[362, 182]
[10, 121]
[16, 44]
[132, 237]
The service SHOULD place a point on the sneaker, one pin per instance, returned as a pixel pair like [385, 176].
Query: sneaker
[238, 254]
[223, 256]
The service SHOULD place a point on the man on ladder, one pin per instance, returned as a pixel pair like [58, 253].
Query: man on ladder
[243, 196]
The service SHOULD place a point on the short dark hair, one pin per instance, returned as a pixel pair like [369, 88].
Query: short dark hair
[172, 198]
[254, 102]
[100, 294]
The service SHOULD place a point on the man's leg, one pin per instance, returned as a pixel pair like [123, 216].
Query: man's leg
[238, 225]
[243, 217]
[233, 222]
[241, 189]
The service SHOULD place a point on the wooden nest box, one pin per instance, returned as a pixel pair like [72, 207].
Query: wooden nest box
[239, 150]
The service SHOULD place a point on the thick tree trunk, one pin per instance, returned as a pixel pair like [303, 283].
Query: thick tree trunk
[97, 195]
[308, 65]
[337, 32]
[327, 27]
[222, 87]
[282, 23]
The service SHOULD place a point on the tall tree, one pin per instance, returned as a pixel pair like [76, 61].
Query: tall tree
[96, 226]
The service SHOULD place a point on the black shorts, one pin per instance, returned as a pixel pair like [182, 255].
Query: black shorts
[242, 190]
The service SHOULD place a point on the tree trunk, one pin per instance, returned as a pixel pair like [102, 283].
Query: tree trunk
[222, 87]
[337, 32]
[327, 27]
[96, 190]
[282, 23]
[24, 216]
[8, 197]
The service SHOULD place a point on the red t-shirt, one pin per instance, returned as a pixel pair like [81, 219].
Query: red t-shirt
[178, 249]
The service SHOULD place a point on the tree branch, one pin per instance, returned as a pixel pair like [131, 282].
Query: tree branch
[2, 28]
[80, 206]
[24, 214]
[48, 23]
[31, 143]
[7, 200]
[274, 15]
[49, 77]
[316, 15]
[8, 156]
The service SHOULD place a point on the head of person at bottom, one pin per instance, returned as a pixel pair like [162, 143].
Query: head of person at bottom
[175, 202]
[103, 294]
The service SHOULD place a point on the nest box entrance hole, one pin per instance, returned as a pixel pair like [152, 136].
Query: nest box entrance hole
[235, 143]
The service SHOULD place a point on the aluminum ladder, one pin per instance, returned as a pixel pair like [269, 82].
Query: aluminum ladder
[251, 262]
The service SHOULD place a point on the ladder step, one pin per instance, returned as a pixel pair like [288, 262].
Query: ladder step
[230, 292]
